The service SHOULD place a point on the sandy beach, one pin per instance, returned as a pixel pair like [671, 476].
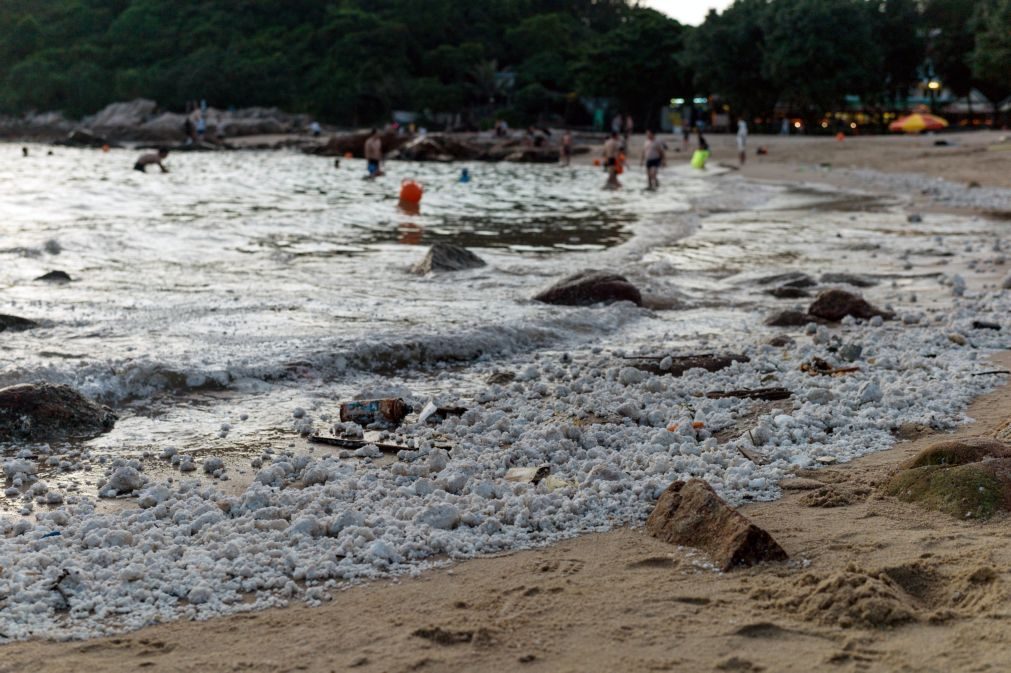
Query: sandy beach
[874, 584]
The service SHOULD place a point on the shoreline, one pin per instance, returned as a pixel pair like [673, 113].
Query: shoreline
[477, 643]
[621, 600]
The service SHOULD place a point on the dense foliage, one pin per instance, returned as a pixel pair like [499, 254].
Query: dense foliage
[355, 61]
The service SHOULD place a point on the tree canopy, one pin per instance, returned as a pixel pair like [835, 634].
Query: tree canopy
[356, 61]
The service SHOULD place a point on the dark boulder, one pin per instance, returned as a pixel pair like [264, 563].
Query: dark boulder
[55, 277]
[590, 287]
[835, 304]
[44, 412]
[447, 257]
[13, 323]
[691, 514]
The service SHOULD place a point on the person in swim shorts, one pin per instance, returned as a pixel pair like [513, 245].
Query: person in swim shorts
[146, 160]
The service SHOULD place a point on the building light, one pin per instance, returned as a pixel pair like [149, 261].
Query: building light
[934, 85]
[677, 101]
[853, 125]
[796, 125]
[824, 125]
[700, 101]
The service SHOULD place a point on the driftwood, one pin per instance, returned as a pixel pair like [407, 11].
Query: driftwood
[711, 362]
[753, 394]
[993, 371]
[355, 443]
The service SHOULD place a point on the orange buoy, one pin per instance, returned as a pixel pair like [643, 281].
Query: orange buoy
[410, 191]
[349, 155]
[840, 136]
[619, 168]
[596, 162]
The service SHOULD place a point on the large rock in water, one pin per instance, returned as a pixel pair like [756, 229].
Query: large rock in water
[691, 514]
[438, 147]
[339, 145]
[835, 304]
[42, 412]
[590, 287]
[968, 478]
[447, 257]
[13, 323]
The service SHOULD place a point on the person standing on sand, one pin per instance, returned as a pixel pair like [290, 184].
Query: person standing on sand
[612, 148]
[374, 154]
[742, 140]
[653, 156]
[146, 160]
[629, 129]
[565, 151]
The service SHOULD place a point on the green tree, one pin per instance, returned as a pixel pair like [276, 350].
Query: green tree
[637, 64]
[818, 51]
[990, 58]
[726, 54]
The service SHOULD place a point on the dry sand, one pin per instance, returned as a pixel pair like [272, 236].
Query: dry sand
[875, 585]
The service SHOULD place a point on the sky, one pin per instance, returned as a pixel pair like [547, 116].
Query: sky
[691, 12]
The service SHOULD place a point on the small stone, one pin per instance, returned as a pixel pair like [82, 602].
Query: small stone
[957, 339]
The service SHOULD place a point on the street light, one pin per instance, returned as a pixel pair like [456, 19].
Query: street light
[933, 86]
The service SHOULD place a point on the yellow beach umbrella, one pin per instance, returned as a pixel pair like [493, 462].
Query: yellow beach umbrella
[918, 121]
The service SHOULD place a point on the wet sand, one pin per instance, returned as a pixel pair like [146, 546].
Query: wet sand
[874, 585]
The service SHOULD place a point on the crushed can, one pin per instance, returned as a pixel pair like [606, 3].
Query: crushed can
[369, 412]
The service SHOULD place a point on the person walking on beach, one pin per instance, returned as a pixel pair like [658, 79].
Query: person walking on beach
[629, 129]
[201, 127]
[742, 140]
[565, 151]
[374, 154]
[155, 158]
[612, 148]
[653, 156]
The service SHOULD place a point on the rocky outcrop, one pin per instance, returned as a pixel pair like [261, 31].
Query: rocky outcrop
[438, 147]
[43, 412]
[83, 138]
[447, 257]
[590, 287]
[343, 143]
[835, 304]
[691, 514]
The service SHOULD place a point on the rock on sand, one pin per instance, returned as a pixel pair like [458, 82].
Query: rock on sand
[691, 514]
[447, 257]
[44, 412]
[835, 304]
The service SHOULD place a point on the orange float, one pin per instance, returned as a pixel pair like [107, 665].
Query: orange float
[596, 162]
[410, 191]
[349, 155]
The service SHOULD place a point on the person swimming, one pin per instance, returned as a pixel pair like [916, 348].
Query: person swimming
[146, 160]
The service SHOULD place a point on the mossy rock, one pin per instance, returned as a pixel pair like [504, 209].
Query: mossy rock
[974, 490]
[959, 452]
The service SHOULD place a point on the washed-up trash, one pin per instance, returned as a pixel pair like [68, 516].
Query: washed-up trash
[696, 425]
[817, 367]
[527, 475]
[434, 413]
[368, 412]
